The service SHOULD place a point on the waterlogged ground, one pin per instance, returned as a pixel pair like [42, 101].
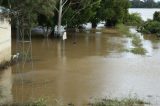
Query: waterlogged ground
[88, 65]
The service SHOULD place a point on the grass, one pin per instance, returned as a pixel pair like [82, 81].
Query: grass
[139, 50]
[138, 46]
[101, 102]
[136, 41]
[123, 29]
[40, 102]
[123, 102]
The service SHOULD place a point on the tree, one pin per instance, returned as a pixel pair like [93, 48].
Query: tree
[156, 16]
[145, 4]
[151, 27]
[95, 19]
[134, 19]
[75, 12]
[28, 10]
[137, 4]
[46, 22]
[113, 11]
[149, 3]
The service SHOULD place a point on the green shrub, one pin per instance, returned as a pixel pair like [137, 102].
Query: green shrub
[134, 19]
[150, 26]
[156, 16]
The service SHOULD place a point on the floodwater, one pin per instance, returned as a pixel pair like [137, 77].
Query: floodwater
[146, 13]
[95, 67]
[88, 65]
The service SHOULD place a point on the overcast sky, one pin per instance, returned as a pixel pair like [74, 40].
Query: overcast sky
[157, 0]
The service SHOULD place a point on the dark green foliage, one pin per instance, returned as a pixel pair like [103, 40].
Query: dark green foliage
[79, 12]
[114, 11]
[151, 26]
[95, 19]
[45, 21]
[28, 10]
[156, 16]
[75, 12]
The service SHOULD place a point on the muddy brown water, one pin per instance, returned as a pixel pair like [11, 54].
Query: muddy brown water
[96, 66]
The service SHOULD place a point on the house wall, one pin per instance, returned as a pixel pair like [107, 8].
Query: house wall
[5, 40]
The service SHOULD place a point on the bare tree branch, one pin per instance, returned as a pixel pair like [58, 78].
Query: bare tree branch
[78, 11]
[64, 3]
[66, 9]
[56, 8]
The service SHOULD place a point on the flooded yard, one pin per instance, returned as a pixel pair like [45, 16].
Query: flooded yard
[88, 65]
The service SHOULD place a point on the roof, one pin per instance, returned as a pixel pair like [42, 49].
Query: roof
[4, 11]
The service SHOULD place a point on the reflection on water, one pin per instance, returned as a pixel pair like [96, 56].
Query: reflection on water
[24, 64]
[6, 86]
[96, 66]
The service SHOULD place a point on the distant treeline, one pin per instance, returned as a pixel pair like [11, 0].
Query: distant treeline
[144, 4]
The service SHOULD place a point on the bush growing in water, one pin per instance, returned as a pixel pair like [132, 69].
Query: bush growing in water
[151, 26]
[123, 29]
[134, 19]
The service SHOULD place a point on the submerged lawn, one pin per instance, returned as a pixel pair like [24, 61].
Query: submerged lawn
[123, 102]
[103, 102]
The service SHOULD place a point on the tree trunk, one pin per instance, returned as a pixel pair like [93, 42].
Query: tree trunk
[45, 31]
[110, 23]
[94, 25]
[59, 17]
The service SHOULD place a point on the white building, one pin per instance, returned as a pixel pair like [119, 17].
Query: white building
[5, 38]
[5, 55]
